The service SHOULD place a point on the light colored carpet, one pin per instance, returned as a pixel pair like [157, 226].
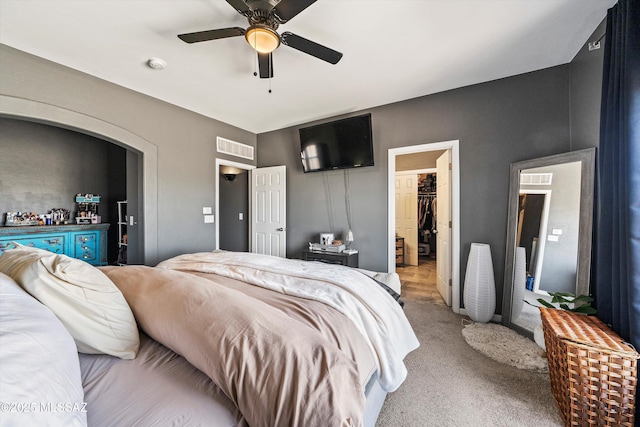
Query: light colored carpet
[451, 384]
[505, 345]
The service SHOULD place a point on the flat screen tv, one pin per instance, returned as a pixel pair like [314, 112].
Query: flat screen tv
[341, 144]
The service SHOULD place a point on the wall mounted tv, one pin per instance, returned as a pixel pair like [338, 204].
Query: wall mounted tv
[341, 144]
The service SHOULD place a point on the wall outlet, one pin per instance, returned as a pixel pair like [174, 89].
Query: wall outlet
[552, 238]
[209, 219]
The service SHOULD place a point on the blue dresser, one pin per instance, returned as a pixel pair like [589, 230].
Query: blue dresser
[85, 242]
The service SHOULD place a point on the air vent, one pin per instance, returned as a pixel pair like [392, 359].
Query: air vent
[233, 148]
[536, 178]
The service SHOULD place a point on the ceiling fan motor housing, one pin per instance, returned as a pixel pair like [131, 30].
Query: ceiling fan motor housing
[263, 17]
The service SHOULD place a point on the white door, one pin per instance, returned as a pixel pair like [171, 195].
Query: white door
[407, 215]
[443, 225]
[268, 211]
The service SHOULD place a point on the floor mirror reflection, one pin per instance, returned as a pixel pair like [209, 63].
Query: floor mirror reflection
[549, 234]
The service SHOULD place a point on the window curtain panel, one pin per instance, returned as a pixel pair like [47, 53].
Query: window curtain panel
[616, 255]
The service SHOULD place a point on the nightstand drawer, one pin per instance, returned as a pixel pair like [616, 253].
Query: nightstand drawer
[340, 258]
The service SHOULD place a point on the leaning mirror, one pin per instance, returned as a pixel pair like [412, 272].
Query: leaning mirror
[548, 234]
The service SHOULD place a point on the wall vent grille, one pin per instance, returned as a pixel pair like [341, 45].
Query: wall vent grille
[233, 148]
[536, 178]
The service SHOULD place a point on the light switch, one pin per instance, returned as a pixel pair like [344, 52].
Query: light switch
[240, 216]
[557, 231]
[552, 238]
[206, 210]
[208, 219]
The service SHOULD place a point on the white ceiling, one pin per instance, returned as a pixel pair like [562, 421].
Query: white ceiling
[393, 50]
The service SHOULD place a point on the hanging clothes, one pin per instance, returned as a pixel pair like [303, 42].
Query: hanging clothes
[425, 216]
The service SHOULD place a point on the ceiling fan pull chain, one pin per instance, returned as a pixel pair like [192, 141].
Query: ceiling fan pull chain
[255, 64]
[270, 73]
[255, 67]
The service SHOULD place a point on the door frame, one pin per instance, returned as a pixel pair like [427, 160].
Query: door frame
[454, 146]
[223, 162]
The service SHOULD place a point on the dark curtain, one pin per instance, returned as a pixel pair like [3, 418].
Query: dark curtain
[616, 255]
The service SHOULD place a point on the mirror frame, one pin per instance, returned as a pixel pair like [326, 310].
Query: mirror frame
[587, 187]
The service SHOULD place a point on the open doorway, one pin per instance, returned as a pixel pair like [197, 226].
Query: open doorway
[416, 227]
[232, 191]
[451, 263]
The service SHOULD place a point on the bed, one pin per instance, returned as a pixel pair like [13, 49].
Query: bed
[214, 338]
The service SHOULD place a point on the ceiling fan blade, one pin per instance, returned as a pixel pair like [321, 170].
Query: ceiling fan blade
[203, 36]
[240, 6]
[312, 48]
[265, 64]
[287, 9]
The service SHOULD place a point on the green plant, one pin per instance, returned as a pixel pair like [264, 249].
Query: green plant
[569, 302]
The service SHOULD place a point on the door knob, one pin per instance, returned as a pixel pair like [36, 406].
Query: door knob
[281, 229]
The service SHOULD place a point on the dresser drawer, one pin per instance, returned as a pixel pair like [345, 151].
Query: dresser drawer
[55, 243]
[85, 242]
[86, 245]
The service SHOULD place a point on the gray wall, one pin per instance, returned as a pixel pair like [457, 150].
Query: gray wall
[56, 179]
[586, 92]
[499, 122]
[185, 141]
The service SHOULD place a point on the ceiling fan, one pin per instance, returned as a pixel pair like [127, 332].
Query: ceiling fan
[265, 16]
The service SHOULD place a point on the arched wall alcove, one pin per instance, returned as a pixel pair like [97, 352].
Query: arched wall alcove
[25, 109]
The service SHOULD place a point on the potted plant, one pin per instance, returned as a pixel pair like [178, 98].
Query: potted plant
[569, 302]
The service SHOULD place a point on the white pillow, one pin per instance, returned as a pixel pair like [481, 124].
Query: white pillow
[87, 302]
[39, 364]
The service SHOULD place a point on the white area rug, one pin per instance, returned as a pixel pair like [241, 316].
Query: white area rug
[504, 345]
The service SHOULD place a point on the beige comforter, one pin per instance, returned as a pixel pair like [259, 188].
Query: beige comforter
[378, 317]
[278, 370]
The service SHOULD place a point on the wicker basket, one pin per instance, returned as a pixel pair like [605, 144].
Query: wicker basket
[592, 370]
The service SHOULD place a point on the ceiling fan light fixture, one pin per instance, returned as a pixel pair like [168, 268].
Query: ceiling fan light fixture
[261, 38]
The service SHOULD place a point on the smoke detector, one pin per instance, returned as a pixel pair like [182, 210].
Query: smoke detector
[156, 63]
